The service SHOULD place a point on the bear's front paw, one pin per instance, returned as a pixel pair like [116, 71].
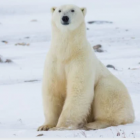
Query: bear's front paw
[45, 127]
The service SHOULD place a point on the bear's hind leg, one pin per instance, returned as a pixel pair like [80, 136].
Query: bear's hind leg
[112, 104]
[97, 125]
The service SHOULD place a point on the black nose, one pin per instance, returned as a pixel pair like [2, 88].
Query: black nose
[65, 19]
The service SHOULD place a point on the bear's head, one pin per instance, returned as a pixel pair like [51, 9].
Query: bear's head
[68, 17]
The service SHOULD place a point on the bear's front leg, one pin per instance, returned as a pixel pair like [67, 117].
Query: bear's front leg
[80, 94]
[52, 101]
[52, 109]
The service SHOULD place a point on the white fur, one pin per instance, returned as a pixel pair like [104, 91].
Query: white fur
[78, 90]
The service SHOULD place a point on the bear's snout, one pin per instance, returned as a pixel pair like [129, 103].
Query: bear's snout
[65, 20]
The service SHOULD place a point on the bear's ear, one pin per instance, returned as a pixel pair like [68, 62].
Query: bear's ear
[53, 9]
[84, 11]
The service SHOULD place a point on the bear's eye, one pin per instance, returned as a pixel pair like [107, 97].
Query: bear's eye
[59, 11]
[72, 10]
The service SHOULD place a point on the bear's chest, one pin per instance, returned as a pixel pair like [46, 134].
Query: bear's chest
[60, 77]
[60, 71]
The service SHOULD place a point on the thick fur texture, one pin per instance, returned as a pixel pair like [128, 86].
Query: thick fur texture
[79, 92]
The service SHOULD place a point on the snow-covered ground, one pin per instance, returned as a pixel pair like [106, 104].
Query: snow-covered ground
[28, 21]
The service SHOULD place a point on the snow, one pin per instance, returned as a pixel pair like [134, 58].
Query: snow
[28, 21]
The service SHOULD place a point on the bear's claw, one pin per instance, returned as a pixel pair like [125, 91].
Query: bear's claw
[44, 128]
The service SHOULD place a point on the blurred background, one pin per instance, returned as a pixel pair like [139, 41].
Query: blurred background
[113, 30]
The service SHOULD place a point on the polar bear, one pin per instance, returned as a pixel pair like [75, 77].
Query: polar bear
[79, 92]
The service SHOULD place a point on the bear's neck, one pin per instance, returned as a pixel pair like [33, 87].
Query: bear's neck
[67, 44]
